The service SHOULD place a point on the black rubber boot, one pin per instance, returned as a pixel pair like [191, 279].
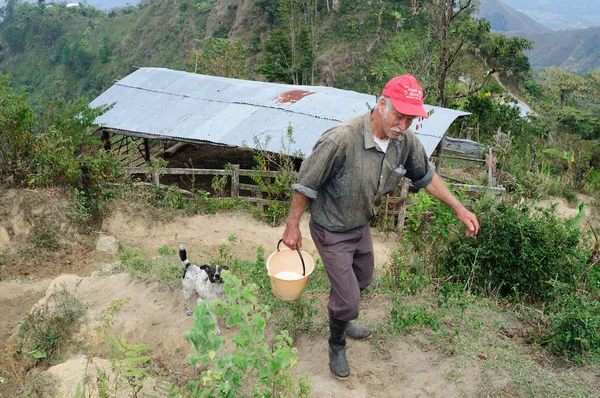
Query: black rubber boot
[358, 332]
[337, 348]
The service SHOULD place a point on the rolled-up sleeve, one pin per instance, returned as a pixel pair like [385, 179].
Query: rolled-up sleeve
[306, 191]
[317, 167]
[423, 182]
[418, 168]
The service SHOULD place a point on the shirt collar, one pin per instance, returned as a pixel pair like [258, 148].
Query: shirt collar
[368, 132]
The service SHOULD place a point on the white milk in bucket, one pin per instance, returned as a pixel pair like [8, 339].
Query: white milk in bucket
[288, 276]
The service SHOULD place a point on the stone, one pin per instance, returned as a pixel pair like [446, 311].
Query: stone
[108, 244]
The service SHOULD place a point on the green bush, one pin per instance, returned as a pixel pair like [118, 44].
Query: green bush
[574, 326]
[429, 227]
[517, 253]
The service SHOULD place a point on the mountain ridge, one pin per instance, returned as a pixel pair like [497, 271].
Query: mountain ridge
[504, 18]
[576, 51]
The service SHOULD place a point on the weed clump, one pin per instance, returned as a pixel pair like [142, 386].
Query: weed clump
[46, 333]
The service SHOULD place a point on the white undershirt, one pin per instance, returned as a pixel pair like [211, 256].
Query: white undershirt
[382, 144]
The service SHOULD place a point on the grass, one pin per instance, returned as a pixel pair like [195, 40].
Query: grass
[478, 332]
[164, 270]
[47, 333]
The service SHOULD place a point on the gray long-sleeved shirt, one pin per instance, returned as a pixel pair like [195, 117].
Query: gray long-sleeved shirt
[347, 175]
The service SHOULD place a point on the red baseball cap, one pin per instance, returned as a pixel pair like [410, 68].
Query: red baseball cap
[406, 95]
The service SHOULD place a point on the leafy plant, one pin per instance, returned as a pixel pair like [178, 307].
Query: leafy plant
[429, 228]
[278, 186]
[574, 326]
[253, 358]
[568, 157]
[404, 317]
[517, 253]
[82, 210]
[130, 364]
[219, 182]
[225, 250]
[401, 277]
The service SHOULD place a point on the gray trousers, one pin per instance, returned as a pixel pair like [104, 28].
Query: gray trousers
[349, 261]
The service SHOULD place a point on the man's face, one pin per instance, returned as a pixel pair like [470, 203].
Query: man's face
[393, 122]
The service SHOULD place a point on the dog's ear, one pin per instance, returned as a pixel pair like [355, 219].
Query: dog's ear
[205, 267]
[224, 267]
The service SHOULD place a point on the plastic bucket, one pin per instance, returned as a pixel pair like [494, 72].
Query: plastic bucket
[288, 271]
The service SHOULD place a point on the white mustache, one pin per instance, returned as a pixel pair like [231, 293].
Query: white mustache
[396, 129]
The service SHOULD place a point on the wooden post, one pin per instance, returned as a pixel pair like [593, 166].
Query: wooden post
[156, 178]
[469, 132]
[491, 180]
[439, 151]
[147, 149]
[235, 181]
[403, 195]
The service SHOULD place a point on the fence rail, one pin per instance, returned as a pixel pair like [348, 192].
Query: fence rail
[235, 173]
[393, 207]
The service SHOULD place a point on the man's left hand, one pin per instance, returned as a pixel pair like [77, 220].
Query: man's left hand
[470, 221]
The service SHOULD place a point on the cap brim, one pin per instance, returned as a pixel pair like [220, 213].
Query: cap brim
[410, 109]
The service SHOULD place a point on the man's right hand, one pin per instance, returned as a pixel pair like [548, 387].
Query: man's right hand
[292, 237]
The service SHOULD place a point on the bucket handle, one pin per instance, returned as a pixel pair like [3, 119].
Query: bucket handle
[300, 254]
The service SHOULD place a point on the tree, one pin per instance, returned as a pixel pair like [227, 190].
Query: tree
[220, 57]
[454, 32]
[11, 6]
[103, 53]
[298, 18]
[566, 86]
[444, 14]
[270, 9]
[277, 65]
[574, 108]
[16, 118]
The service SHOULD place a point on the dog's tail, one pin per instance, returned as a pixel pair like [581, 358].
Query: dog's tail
[183, 256]
[184, 259]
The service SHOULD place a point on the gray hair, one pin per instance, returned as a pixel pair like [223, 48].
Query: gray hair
[388, 104]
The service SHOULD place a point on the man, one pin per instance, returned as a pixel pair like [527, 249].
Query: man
[352, 168]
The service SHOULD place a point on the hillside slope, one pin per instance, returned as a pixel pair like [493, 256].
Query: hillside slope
[560, 15]
[504, 18]
[82, 50]
[576, 51]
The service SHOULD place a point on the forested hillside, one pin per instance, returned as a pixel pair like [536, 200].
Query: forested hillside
[575, 50]
[80, 51]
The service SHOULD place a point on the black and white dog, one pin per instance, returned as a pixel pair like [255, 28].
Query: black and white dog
[205, 281]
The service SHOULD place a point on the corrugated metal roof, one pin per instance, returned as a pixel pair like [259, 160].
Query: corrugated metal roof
[168, 104]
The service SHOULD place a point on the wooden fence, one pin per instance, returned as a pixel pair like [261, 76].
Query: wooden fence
[235, 173]
[393, 209]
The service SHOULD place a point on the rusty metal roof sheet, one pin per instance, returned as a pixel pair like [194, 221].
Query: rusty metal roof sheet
[168, 104]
